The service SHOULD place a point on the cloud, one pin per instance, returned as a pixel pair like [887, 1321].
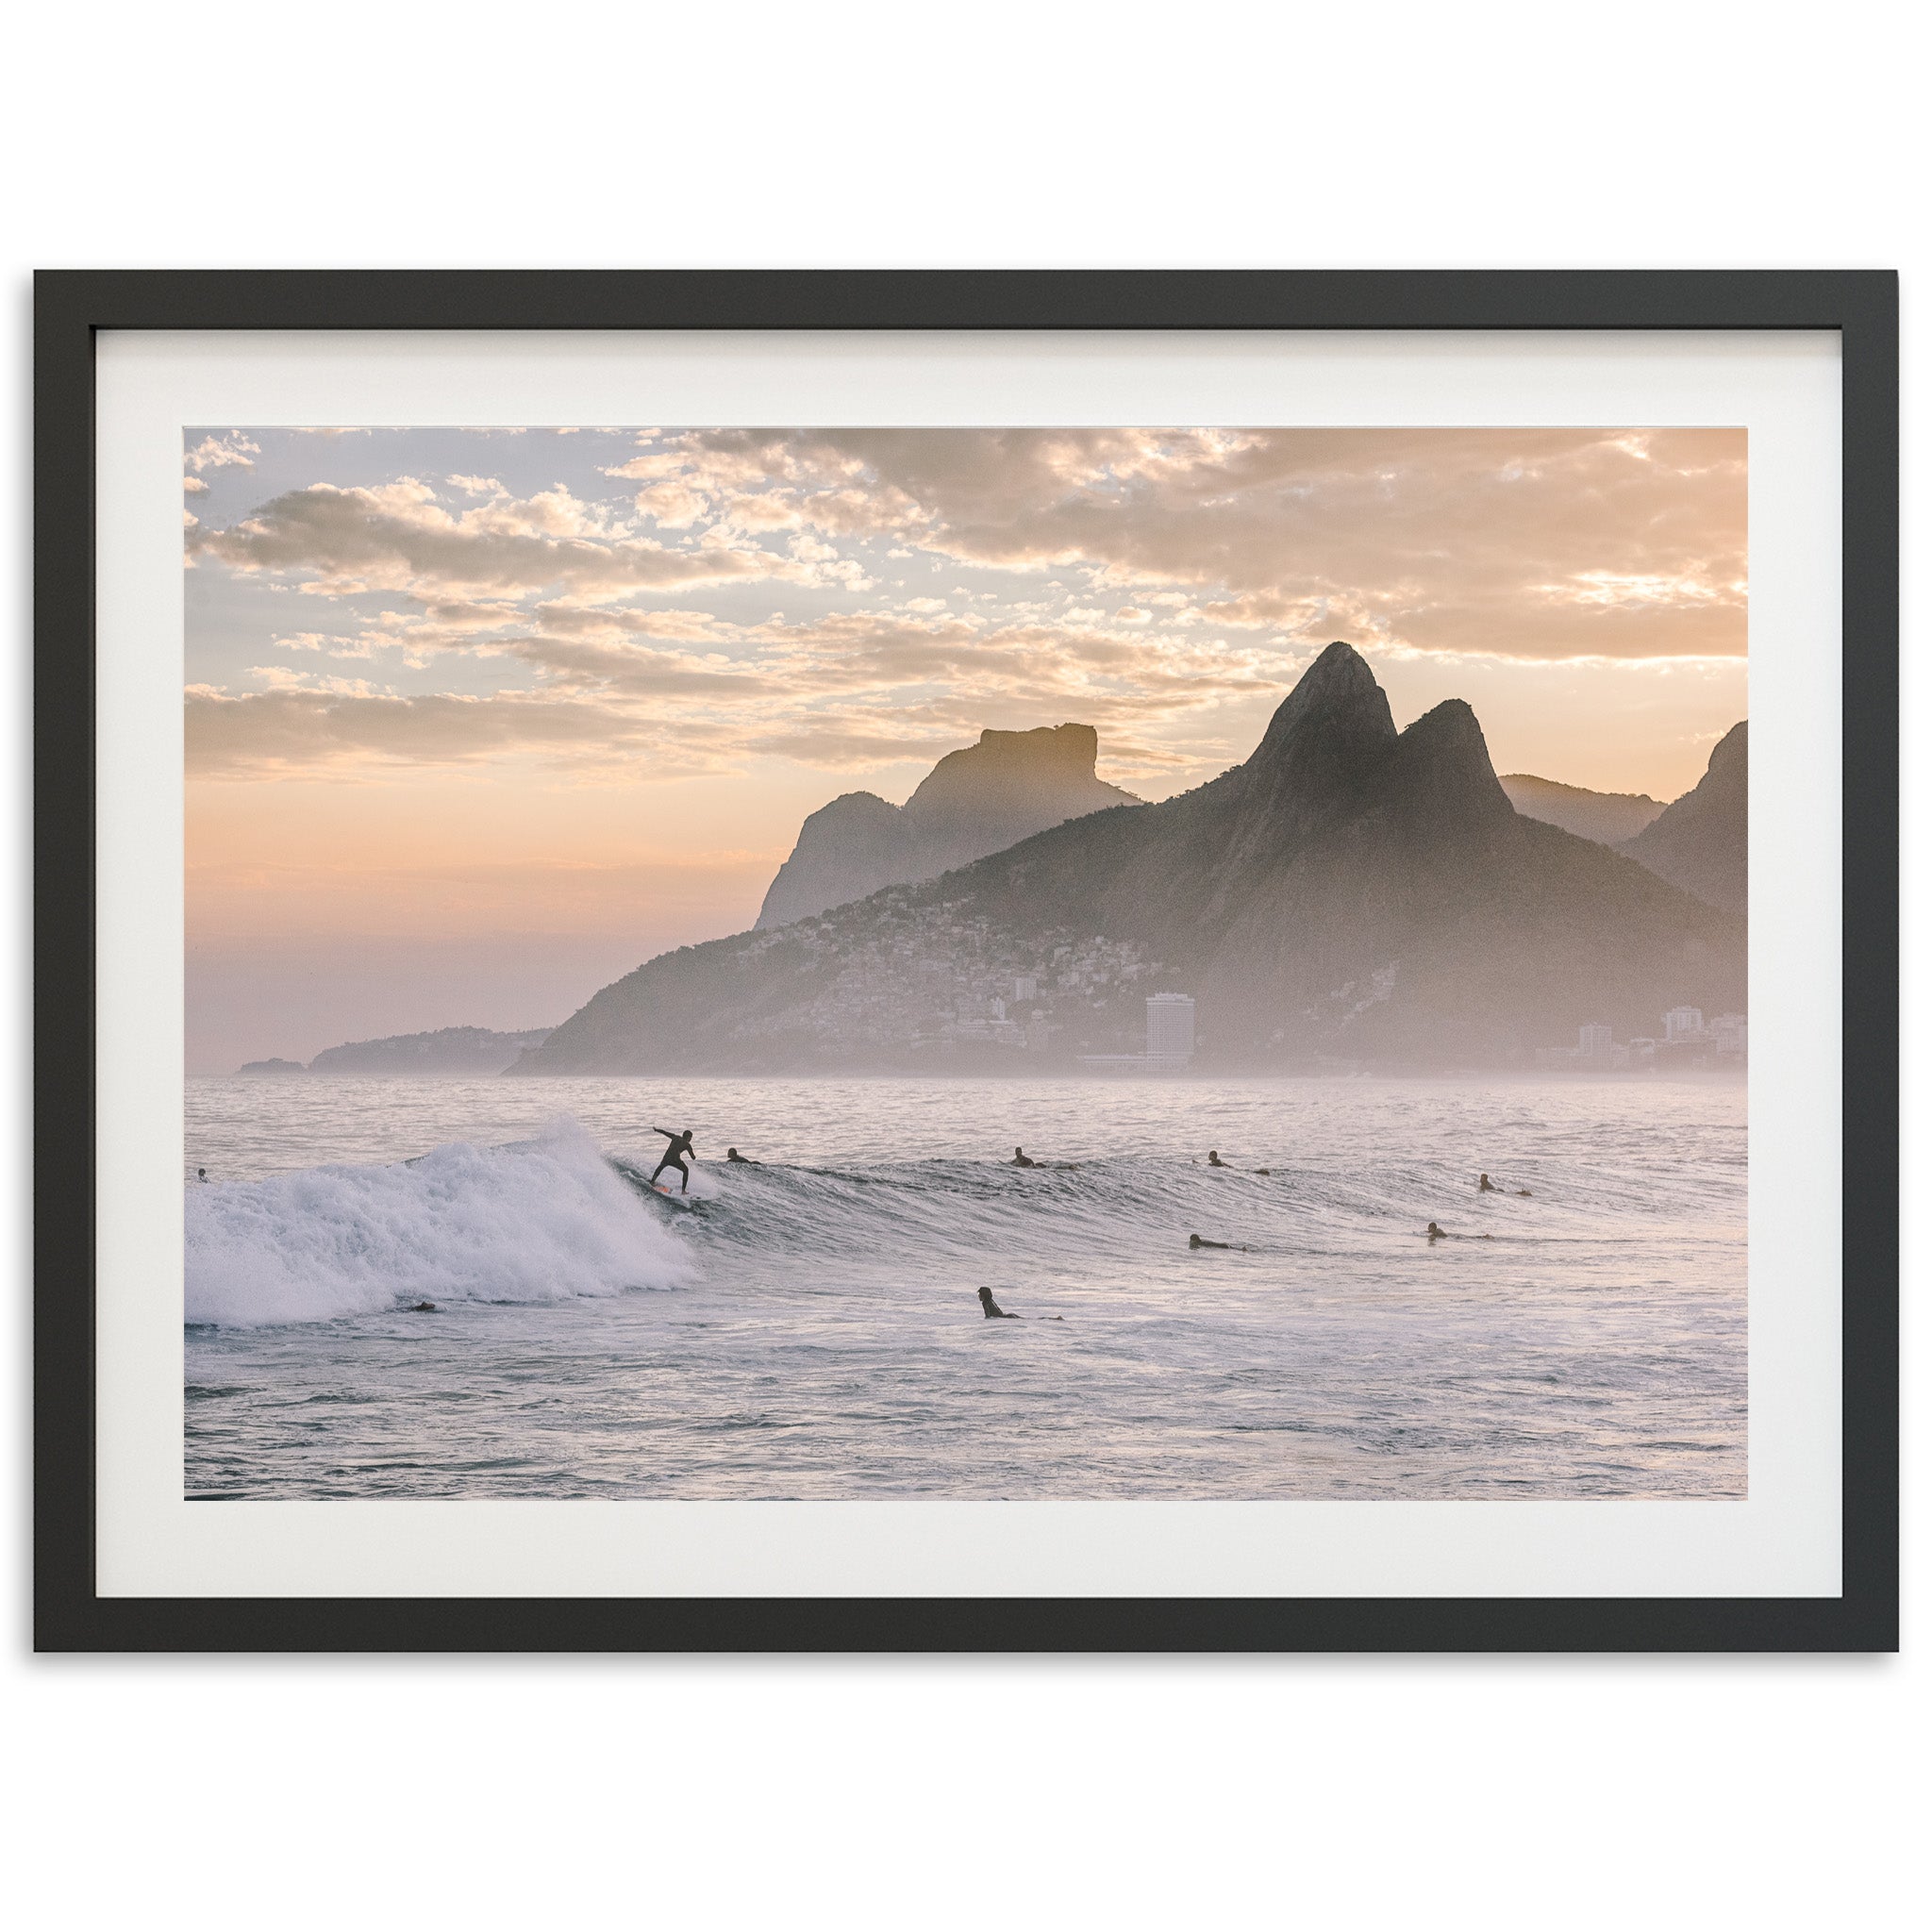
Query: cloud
[291, 728]
[280, 678]
[398, 536]
[1195, 573]
[853, 687]
[563, 618]
[216, 453]
[194, 486]
[675, 506]
[1534, 543]
[631, 668]
[1437, 540]
[853, 744]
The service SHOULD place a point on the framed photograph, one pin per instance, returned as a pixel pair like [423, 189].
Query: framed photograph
[990, 961]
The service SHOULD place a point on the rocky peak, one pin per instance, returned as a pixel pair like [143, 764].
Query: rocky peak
[1442, 782]
[1328, 738]
[1336, 688]
[1729, 757]
[1330, 731]
[979, 799]
[1005, 763]
[854, 809]
[846, 849]
[1606, 817]
[1006, 788]
[1700, 840]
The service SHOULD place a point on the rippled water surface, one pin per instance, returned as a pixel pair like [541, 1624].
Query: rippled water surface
[808, 1327]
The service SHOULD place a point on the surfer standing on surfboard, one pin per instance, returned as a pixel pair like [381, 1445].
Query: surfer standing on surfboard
[674, 1156]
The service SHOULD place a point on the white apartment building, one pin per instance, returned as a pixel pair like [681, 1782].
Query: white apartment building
[1170, 1024]
[1683, 1024]
[1593, 1041]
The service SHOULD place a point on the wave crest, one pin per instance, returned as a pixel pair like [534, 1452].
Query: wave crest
[542, 1221]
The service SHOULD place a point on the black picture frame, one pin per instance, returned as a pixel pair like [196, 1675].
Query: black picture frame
[73, 308]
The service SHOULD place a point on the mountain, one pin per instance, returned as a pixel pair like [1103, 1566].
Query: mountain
[978, 800]
[846, 850]
[1701, 842]
[451, 1053]
[1608, 817]
[1351, 889]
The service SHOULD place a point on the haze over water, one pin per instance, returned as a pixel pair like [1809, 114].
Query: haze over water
[810, 1328]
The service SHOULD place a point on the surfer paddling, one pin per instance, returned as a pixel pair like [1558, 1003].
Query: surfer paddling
[1021, 1159]
[994, 1313]
[1198, 1241]
[674, 1156]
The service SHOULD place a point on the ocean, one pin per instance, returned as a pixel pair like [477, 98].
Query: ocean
[808, 1326]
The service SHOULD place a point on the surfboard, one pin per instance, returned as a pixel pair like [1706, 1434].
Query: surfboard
[641, 1181]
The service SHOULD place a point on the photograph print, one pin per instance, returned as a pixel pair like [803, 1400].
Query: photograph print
[1198, 963]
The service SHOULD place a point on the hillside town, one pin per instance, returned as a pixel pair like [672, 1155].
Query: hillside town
[1687, 1041]
[934, 980]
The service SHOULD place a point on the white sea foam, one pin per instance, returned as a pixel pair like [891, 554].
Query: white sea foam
[542, 1221]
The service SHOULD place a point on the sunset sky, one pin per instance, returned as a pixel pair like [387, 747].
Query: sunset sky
[479, 719]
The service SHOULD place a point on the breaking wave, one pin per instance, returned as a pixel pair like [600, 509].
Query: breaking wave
[542, 1221]
[558, 1219]
[955, 1213]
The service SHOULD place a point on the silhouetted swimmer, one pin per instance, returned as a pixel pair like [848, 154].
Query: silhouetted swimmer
[1484, 1185]
[1264, 1170]
[1441, 1234]
[1195, 1241]
[1020, 1159]
[1524, 1194]
[994, 1313]
[734, 1159]
[201, 1174]
[674, 1156]
[423, 1309]
[1437, 1234]
[1214, 1159]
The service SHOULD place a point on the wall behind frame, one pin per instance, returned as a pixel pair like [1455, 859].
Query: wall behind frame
[1499, 1792]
